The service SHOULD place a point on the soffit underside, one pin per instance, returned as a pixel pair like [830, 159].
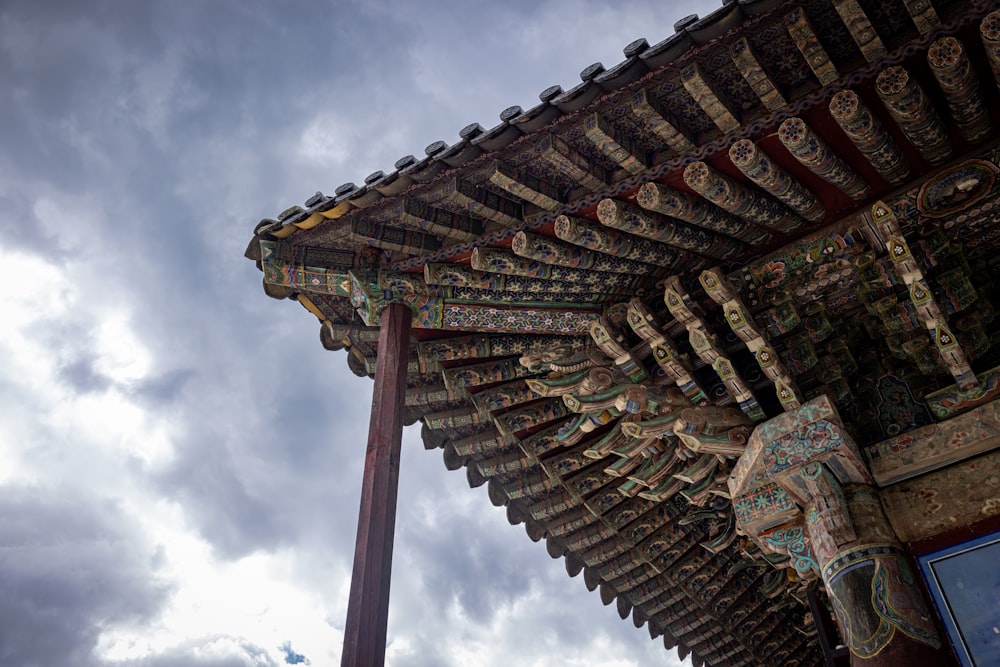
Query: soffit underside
[642, 519]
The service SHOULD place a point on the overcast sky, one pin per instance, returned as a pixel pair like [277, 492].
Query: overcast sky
[180, 460]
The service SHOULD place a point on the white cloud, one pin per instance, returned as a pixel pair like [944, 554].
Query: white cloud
[120, 354]
[253, 597]
[327, 141]
[90, 440]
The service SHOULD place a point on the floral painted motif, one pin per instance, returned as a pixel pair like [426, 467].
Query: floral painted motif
[772, 274]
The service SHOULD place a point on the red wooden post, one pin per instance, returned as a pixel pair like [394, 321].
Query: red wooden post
[368, 604]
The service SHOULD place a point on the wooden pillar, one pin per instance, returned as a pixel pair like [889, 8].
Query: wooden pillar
[871, 583]
[368, 604]
[802, 489]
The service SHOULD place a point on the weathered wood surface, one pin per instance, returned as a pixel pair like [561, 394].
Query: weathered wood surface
[368, 604]
[945, 499]
[935, 446]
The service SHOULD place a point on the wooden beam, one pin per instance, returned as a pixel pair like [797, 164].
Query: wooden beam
[802, 33]
[712, 101]
[935, 446]
[642, 222]
[662, 122]
[869, 136]
[923, 15]
[524, 186]
[368, 604]
[573, 164]
[397, 239]
[629, 155]
[860, 27]
[806, 147]
[762, 170]
[756, 76]
[956, 77]
[483, 203]
[914, 113]
[437, 221]
[742, 201]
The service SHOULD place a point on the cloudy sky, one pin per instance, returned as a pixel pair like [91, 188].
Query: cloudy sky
[180, 460]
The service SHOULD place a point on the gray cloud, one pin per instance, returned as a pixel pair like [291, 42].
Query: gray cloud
[71, 565]
[466, 570]
[292, 481]
[165, 388]
[142, 142]
[82, 377]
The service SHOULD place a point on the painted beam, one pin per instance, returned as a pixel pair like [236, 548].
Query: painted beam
[935, 446]
[861, 29]
[953, 71]
[762, 170]
[816, 156]
[756, 76]
[913, 112]
[698, 212]
[711, 100]
[527, 187]
[869, 136]
[802, 33]
[662, 122]
[740, 200]
[483, 203]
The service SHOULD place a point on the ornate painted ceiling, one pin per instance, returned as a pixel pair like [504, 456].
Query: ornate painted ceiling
[779, 202]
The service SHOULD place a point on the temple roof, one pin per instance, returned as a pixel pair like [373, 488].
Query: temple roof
[781, 200]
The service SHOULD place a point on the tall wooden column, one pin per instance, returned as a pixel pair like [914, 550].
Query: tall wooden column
[368, 604]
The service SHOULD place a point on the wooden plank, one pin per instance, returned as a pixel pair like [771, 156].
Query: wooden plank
[945, 499]
[935, 446]
[368, 604]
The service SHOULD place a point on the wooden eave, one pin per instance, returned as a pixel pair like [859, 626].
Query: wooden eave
[740, 73]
